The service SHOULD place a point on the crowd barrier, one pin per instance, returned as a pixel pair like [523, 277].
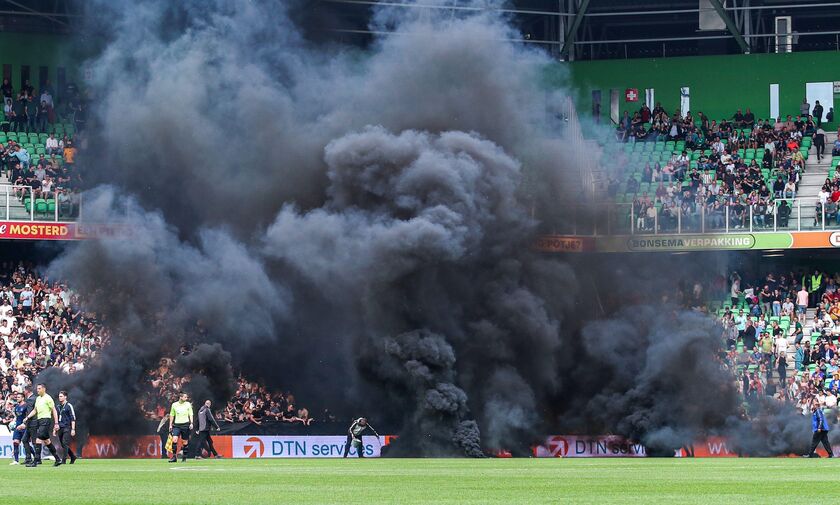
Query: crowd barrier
[611, 446]
[228, 446]
[332, 446]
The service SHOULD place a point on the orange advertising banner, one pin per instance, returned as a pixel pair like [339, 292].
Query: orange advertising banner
[138, 447]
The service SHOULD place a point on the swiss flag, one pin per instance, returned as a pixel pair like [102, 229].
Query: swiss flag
[631, 95]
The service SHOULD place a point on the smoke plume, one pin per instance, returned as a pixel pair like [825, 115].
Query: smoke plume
[355, 226]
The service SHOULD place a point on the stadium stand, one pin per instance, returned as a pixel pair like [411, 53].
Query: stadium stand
[667, 171]
[37, 151]
[781, 336]
[43, 325]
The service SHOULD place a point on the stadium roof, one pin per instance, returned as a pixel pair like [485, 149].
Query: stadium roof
[43, 16]
[605, 29]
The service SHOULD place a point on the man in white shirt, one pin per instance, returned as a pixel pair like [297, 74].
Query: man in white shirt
[780, 344]
[47, 97]
[823, 195]
[52, 145]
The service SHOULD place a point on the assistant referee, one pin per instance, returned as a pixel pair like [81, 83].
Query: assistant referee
[180, 426]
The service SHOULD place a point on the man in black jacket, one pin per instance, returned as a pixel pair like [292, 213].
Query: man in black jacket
[818, 112]
[819, 143]
[206, 421]
[66, 427]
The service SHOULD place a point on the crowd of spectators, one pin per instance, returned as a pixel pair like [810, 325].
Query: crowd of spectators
[251, 403]
[752, 167]
[43, 324]
[776, 347]
[34, 111]
[38, 146]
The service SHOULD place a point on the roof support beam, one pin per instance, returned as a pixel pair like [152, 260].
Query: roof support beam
[572, 33]
[730, 25]
[38, 13]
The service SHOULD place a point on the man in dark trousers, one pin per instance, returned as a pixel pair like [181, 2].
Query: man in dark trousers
[818, 112]
[820, 426]
[206, 421]
[28, 427]
[354, 436]
[749, 335]
[66, 427]
[819, 143]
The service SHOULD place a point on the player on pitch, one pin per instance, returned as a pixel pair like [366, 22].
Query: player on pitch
[28, 427]
[17, 416]
[180, 426]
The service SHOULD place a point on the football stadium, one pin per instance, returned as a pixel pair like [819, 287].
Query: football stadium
[419, 251]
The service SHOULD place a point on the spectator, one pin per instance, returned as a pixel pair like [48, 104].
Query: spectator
[7, 90]
[20, 112]
[818, 112]
[52, 145]
[805, 107]
[802, 299]
[43, 116]
[69, 153]
[819, 143]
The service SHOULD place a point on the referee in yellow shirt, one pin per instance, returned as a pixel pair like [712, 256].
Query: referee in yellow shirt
[46, 422]
[180, 426]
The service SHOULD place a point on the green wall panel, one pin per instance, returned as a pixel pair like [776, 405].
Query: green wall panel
[719, 84]
[37, 50]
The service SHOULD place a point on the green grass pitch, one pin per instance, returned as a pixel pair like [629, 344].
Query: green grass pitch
[426, 481]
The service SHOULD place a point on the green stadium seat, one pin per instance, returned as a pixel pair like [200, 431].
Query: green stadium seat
[40, 206]
[50, 206]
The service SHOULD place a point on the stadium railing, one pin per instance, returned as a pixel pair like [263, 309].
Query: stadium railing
[621, 219]
[18, 203]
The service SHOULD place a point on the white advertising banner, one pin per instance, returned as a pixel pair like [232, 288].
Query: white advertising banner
[7, 449]
[258, 446]
[572, 446]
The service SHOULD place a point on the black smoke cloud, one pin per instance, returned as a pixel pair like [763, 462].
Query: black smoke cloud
[349, 226]
[353, 226]
[652, 371]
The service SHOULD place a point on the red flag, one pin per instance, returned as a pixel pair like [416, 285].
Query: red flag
[631, 95]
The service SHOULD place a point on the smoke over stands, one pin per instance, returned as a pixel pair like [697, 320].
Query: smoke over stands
[352, 227]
